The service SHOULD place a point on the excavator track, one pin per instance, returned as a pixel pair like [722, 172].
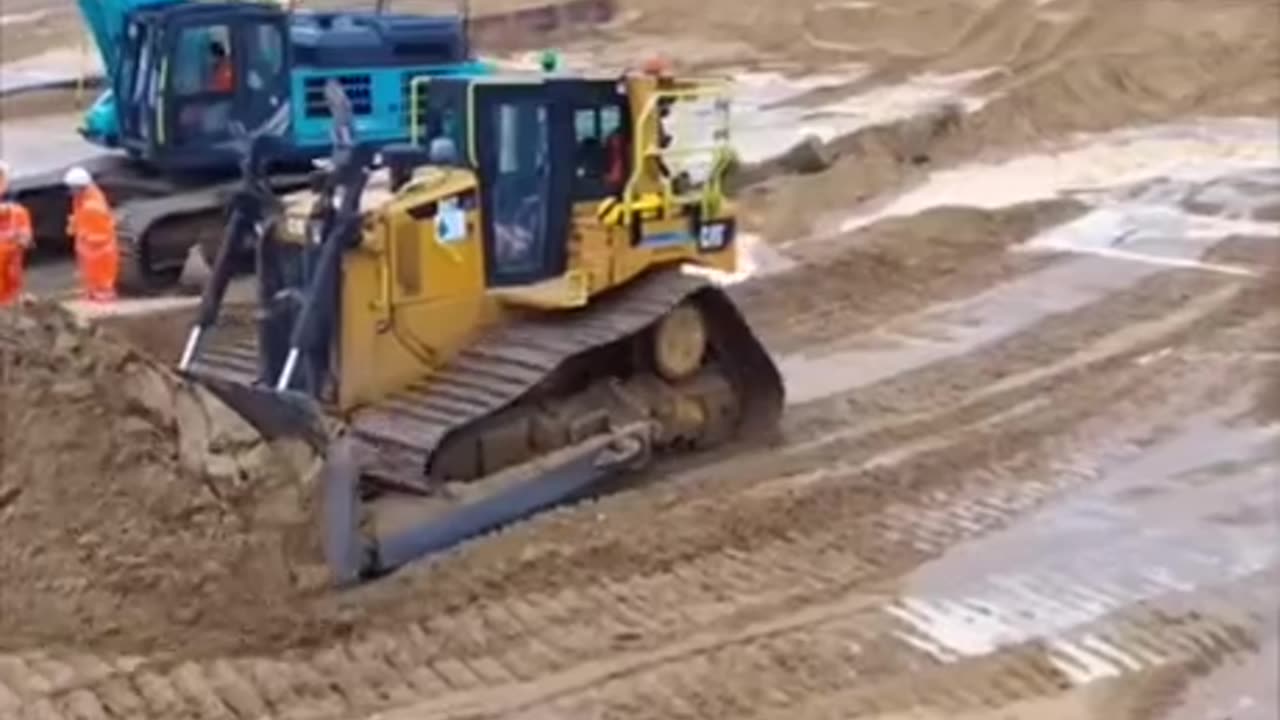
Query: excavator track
[157, 220]
[529, 361]
[155, 234]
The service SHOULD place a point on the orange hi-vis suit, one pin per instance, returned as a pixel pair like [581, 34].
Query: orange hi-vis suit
[15, 236]
[97, 252]
[223, 80]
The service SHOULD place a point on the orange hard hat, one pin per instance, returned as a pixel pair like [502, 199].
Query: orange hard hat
[656, 65]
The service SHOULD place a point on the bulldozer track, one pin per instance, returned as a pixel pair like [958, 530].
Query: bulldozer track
[505, 365]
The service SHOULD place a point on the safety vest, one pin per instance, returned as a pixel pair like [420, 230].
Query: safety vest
[15, 222]
[223, 81]
[93, 225]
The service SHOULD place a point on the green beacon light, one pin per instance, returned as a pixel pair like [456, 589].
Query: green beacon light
[550, 61]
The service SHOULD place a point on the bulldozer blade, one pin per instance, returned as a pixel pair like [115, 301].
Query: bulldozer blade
[343, 547]
[521, 491]
[273, 413]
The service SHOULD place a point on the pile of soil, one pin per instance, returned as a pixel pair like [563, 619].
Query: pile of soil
[136, 509]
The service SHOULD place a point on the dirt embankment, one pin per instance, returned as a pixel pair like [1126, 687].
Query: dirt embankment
[1052, 69]
[135, 508]
[1088, 60]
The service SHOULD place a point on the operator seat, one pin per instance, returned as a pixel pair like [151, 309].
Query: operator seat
[442, 151]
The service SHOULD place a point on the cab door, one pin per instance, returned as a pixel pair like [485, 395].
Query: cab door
[201, 87]
[262, 75]
[136, 86]
[525, 197]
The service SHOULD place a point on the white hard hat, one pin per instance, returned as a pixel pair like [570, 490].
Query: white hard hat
[77, 177]
[4, 169]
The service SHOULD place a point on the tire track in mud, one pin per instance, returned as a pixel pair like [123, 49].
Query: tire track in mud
[1009, 373]
[849, 283]
[1094, 613]
[849, 663]
[834, 531]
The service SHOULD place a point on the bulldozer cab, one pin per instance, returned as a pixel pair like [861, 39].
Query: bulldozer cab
[537, 148]
[554, 156]
[187, 72]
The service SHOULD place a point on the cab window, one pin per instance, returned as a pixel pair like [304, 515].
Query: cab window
[601, 165]
[203, 84]
[204, 62]
[265, 53]
[519, 188]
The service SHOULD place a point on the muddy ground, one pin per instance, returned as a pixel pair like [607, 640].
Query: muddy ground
[1030, 329]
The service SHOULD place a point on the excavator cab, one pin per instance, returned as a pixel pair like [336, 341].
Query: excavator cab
[187, 72]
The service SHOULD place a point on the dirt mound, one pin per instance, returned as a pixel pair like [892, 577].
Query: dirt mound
[1082, 58]
[135, 507]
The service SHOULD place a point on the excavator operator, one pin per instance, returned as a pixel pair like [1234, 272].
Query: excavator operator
[222, 79]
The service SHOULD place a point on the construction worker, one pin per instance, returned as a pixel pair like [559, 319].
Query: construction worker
[223, 81]
[15, 240]
[94, 229]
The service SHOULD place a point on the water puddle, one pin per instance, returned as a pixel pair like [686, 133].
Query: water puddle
[957, 328]
[22, 18]
[1171, 222]
[765, 123]
[1090, 167]
[1162, 195]
[55, 66]
[1137, 534]
[1225, 184]
[40, 144]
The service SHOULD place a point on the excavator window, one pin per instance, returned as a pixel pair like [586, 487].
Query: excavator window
[203, 82]
[265, 56]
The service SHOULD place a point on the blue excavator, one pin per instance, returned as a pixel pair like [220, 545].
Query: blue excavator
[183, 76]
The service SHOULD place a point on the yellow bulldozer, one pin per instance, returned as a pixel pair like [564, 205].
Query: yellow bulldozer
[498, 317]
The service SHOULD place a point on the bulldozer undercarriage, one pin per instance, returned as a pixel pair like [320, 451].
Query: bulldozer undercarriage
[536, 412]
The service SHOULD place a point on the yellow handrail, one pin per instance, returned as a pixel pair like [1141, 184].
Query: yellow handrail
[164, 84]
[414, 106]
[641, 152]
